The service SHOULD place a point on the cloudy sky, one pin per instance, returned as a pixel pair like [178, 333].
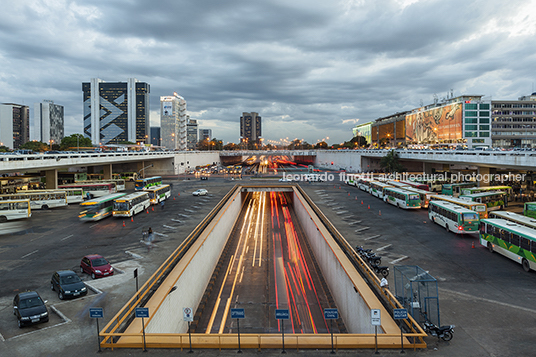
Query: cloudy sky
[312, 69]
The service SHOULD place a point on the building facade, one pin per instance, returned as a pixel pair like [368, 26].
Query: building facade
[250, 128]
[463, 120]
[205, 134]
[14, 125]
[48, 122]
[155, 136]
[513, 122]
[191, 134]
[173, 122]
[115, 112]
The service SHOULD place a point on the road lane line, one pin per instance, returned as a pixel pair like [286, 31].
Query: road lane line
[69, 236]
[96, 224]
[398, 260]
[385, 246]
[27, 255]
[373, 237]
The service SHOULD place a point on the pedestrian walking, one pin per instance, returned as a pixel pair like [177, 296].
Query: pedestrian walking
[162, 204]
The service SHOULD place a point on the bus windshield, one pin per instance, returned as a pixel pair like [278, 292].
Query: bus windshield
[121, 206]
[467, 217]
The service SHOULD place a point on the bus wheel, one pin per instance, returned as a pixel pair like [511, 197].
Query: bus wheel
[44, 207]
[526, 265]
[3, 219]
[490, 247]
[447, 227]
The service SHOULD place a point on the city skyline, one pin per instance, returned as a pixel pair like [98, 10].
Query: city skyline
[310, 69]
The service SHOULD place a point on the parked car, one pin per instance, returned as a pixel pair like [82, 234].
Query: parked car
[200, 192]
[67, 284]
[29, 308]
[96, 266]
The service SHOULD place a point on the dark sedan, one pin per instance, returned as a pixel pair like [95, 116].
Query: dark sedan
[29, 308]
[67, 284]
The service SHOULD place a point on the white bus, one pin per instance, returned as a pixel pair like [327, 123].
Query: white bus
[131, 204]
[364, 184]
[39, 200]
[401, 198]
[118, 183]
[74, 195]
[514, 217]
[454, 218]
[511, 240]
[93, 189]
[494, 201]
[159, 193]
[377, 188]
[14, 209]
[98, 208]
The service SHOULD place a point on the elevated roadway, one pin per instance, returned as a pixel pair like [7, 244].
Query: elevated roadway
[188, 273]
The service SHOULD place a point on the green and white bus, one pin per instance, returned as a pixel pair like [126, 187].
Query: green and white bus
[14, 209]
[514, 217]
[454, 218]
[401, 198]
[74, 195]
[424, 196]
[159, 193]
[98, 208]
[131, 204]
[377, 188]
[493, 200]
[529, 209]
[364, 184]
[350, 180]
[472, 190]
[511, 240]
[455, 189]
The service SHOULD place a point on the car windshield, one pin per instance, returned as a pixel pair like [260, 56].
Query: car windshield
[99, 262]
[69, 279]
[29, 303]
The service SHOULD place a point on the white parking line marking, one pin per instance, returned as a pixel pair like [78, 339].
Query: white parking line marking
[27, 255]
[398, 260]
[373, 237]
[69, 236]
[93, 225]
[385, 246]
[361, 229]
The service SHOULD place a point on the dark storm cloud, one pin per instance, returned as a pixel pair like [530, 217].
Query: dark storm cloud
[310, 68]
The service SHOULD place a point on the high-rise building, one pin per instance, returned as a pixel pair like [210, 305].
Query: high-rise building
[47, 122]
[116, 111]
[155, 136]
[205, 134]
[191, 133]
[14, 125]
[513, 122]
[173, 122]
[250, 128]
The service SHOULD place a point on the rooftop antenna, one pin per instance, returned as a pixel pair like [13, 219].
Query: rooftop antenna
[422, 104]
[452, 93]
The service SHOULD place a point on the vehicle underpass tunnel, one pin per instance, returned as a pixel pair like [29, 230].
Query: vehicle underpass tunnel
[262, 249]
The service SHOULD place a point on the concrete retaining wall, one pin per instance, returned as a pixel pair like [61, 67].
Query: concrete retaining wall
[195, 277]
[352, 308]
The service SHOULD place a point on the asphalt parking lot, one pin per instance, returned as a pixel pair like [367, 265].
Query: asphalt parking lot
[489, 298]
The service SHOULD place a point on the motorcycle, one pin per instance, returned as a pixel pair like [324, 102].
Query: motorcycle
[445, 332]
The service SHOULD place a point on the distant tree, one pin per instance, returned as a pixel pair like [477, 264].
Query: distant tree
[231, 146]
[214, 144]
[4, 149]
[74, 141]
[36, 146]
[321, 145]
[299, 145]
[390, 163]
[269, 147]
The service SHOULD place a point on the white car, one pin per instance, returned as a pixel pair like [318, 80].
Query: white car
[200, 192]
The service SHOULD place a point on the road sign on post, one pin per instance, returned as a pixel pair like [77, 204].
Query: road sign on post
[97, 313]
[375, 317]
[187, 314]
[282, 314]
[331, 314]
[142, 312]
[238, 314]
[401, 314]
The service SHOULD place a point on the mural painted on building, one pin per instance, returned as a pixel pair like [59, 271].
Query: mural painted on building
[437, 124]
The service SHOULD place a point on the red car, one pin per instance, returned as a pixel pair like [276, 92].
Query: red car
[96, 266]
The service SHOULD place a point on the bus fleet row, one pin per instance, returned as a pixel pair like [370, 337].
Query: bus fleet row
[510, 234]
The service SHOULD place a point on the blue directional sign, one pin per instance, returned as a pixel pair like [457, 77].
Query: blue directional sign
[282, 314]
[400, 314]
[331, 314]
[238, 314]
[142, 312]
[96, 312]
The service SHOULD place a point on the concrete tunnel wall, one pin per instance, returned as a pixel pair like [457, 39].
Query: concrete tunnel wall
[193, 281]
[352, 308]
